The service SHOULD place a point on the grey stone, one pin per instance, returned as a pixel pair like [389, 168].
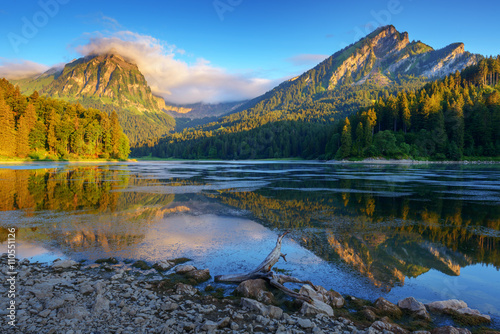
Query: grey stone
[385, 325]
[169, 306]
[199, 276]
[256, 289]
[305, 323]
[265, 310]
[42, 290]
[474, 314]
[101, 304]
[209, 326]
[445, 305]
[64, 264]
[86, 289]
[388, 308]
[73, 312]
[417, 308]
[164, 265]
[450, 330]
[45, 313]
[54, 303]
[368, 314]
[223, 323]
[185, 289]
[317, 307]
[182, 269]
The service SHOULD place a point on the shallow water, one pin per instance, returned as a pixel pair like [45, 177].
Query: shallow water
[432, 232]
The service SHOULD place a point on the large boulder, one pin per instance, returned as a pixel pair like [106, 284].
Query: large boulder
[199, 276]
[163, 265]
[330, 297]
[316, 307]
[446, 305]
[385, 307]
[416, 308]
[256, 289]
[459, 308]
[265, 310]
[182, 269]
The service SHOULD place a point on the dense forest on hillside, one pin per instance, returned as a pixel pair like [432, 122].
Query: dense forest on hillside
[447, 119]
[38, 127]
[271, 127]
[135, 125]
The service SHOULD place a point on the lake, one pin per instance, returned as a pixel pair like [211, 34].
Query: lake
[428, 231]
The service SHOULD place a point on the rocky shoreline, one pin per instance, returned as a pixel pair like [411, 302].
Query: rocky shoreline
[108, 297]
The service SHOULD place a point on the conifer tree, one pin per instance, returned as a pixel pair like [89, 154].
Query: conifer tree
[346, 140]
[115, 135]
[7, 130]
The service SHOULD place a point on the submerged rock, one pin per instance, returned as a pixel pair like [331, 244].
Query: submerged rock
[446, 305]
[460, 311]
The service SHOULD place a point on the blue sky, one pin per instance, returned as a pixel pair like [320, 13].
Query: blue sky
[250, 44]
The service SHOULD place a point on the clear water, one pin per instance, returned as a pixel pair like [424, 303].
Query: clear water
[432, 232]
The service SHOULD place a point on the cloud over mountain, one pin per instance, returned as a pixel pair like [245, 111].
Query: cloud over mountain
[174, 79]
[13, 70]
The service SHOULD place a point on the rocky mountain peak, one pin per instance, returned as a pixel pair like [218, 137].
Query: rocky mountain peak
[386, 53]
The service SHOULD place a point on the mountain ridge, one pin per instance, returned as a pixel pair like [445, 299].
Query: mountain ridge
[107, 82]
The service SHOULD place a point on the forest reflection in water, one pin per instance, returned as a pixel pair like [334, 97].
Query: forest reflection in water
[384, 223]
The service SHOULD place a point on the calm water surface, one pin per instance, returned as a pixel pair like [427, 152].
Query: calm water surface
[432, 232]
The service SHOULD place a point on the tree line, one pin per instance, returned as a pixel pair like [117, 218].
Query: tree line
[447, 119]
[39, 127]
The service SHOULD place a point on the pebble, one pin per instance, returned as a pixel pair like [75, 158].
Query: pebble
[70, 299]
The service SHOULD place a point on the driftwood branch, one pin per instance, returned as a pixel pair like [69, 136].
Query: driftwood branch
[263, 271]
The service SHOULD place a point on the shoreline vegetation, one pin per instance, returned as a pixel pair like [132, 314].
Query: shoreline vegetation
[377, 161]
[174, 297]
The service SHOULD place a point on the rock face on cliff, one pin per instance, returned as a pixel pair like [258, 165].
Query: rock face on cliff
[386, 53]
[107, 82]
[108, 78]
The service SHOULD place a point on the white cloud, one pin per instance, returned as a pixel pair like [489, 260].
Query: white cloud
[306, 59]
[174, 79]
[20, 69]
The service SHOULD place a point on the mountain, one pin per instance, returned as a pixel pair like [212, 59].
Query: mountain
[107, 82]
[383, 59]
[383, 63]
[202, 110]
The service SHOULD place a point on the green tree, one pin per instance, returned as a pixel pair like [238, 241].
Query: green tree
[25, 125]
[404, 110]
[115, 135]
[7, 130]
[346, 140]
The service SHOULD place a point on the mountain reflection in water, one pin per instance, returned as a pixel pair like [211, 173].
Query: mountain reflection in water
[389, 225]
